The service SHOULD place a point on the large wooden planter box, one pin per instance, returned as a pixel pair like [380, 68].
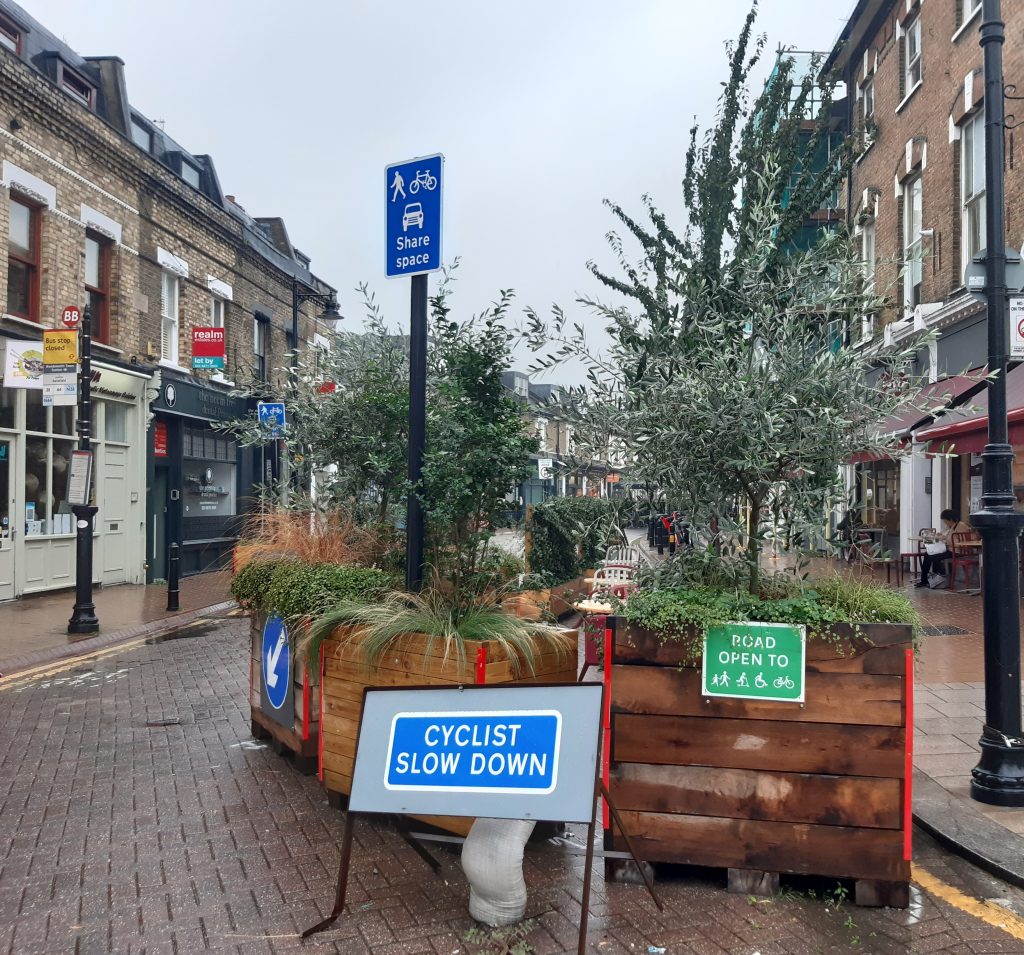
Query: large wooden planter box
[345, 675]
[303, 736]
[762, 788]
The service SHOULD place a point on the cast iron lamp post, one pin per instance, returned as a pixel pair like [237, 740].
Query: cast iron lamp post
[998, 778]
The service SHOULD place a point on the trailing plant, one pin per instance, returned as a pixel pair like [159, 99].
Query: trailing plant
[296, 590]
[444, 621]
[683, 615]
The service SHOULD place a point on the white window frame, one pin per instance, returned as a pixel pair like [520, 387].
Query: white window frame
[914, 75]
[260, 333]
[170, 292]
[187, 167]
[913, 223]
[141, 135]
[868, 237]
[972, 194]
[868, 97]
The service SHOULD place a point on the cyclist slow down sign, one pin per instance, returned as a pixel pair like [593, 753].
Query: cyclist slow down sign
[276, 685]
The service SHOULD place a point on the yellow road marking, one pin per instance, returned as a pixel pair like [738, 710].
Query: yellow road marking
[988, 912]
[24, 677]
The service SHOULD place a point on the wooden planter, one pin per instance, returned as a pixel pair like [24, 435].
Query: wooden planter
[344, 676]
[303, 736]
[763, 788]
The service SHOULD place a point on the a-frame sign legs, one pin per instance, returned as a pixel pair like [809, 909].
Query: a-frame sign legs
[339, 902]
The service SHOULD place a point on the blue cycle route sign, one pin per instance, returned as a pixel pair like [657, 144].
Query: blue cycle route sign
[276, 664]
[511, 751]
[414, 216]
[271, 415]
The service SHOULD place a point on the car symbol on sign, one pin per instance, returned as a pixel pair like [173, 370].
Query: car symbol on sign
[413, 216]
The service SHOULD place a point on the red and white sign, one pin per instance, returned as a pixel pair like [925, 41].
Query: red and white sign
[208, 348]
[70, 317]
[160, 439]
[1017, 326]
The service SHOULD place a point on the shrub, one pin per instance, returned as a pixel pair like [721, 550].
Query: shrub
[292, 589]
[571, 534]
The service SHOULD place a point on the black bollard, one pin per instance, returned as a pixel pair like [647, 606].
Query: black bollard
[172, 577]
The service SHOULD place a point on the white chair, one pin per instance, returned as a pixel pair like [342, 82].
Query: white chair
[623, 555]
[616, 580]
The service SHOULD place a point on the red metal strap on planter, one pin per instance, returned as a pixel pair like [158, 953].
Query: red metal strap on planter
[908, 758]
[305, 701]
[481, 664]
[320, 735]
[606, 717]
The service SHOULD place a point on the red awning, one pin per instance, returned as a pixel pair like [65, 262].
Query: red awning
[966, 432]
[913, 414]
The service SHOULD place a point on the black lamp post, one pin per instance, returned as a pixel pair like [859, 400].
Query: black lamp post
[83, 617]
[998, 778]
[327, 301]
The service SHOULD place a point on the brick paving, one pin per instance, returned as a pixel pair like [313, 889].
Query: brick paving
[118, 837]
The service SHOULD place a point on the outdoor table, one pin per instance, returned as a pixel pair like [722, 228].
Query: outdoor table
[594, 607]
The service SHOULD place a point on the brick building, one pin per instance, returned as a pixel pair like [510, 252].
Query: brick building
[100, 205]
[913, 70]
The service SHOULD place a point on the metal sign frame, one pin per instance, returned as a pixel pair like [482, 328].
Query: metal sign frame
[599, 790]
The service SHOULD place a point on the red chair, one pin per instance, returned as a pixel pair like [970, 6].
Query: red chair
[965, 557]
[913, 557]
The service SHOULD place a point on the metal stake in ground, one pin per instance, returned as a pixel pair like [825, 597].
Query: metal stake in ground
[998, 778]
[83, 617]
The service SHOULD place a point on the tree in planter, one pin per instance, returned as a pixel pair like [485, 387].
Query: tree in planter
[728, 376]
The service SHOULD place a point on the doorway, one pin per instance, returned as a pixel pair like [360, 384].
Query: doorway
[8, 524]
[158, 558]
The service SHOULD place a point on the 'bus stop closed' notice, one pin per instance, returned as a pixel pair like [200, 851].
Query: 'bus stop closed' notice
[755, 661]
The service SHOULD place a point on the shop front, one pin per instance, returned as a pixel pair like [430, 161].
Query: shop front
[37, 533]
[201, 479]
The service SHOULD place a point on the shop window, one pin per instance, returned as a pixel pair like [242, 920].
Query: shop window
[23, 260]
[62, 419]
[115, 422]
[97, 283]
[169, 318]
[47, 468]
[8, 397]
[209, 473]
[972, 166]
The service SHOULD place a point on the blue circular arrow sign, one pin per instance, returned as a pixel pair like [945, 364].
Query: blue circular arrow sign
[277, 664]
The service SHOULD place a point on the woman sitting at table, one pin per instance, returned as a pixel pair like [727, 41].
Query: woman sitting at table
[951, 524]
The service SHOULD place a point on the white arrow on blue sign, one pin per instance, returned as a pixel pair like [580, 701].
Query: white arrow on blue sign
[414, 191]
[277, 664]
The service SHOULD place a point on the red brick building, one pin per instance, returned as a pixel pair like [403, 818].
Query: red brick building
[913, 70]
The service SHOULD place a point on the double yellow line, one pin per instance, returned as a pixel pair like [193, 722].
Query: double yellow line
[31, 675]
[988, 912]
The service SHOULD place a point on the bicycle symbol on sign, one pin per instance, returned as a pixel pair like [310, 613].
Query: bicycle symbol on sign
[425, 179]
[784, 682]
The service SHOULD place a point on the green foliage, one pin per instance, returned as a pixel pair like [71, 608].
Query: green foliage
[444, 619]
[294, 590]
[571, 534]
[683, 615]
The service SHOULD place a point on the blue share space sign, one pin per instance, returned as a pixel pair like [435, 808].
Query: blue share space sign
[506, 752]
[414, 190]
[271, 415]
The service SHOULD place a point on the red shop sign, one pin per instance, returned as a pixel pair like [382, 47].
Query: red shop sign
[160, 439]
[208, 342]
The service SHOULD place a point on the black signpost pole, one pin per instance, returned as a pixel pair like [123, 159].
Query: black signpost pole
[414, 522]
[998, 779]
[83, 617]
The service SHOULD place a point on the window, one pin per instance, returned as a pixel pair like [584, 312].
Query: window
[169, 318]
[190, 174]
[142, 136]
[75, 87]
[972, 168]
[868, 111]
[10, 36]
[912, 55]
[965, 10]
[23, 260]
[259, 346]
[912, 246]
[867, 255]
[97, 284]
[47, 466]
[115, 422]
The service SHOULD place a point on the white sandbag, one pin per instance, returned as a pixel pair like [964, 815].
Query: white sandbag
[492, 858]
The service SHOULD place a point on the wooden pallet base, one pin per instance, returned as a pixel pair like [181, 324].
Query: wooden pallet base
[285, 741]
[868, 893]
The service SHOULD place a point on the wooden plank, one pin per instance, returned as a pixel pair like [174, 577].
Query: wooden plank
[832, 851]
[350, 709]
[831, 698]
[337, 763]
[340, 726]
[337, 782]
[759, 744]
[338, 689]
[856, 801]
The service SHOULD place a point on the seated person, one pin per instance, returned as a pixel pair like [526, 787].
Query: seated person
[951, 524]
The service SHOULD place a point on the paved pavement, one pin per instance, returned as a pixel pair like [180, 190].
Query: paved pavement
[33, 629]
[137, 816]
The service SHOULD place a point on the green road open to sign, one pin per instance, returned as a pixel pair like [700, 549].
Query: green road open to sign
[758, 661]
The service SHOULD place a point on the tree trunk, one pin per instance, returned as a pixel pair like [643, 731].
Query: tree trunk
[492, 858]
[754, 544]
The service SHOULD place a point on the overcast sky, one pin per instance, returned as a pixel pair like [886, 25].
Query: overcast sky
[542, 109]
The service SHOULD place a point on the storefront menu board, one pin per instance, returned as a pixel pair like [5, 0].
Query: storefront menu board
[81, 477]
